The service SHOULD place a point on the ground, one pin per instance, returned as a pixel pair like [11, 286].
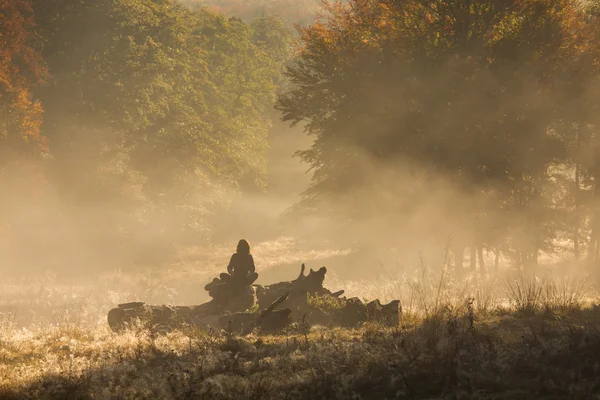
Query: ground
[481, 336]
[512, 356]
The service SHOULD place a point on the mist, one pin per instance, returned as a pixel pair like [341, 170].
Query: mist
[416, 183]
[403, 207]
[140, 159]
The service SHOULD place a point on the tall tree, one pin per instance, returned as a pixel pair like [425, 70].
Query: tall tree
[467, 90]
[22, 146]
[154, 113]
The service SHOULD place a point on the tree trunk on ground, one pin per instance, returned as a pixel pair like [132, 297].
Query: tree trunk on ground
[216, 313]
[297, 289]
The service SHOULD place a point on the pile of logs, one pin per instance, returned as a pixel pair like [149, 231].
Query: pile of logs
[236, 306]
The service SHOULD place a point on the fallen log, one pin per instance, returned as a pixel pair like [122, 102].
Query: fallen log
[167, 318]
[356, 312]
[231, 297]
[298, 289]
[152, 317]
[267, 320]
[232, 305]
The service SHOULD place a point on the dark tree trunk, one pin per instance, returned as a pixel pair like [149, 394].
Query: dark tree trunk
[576, 198]
[459, 256]
[497, 260]
[594, 248]
[593, 243]
[482, 267]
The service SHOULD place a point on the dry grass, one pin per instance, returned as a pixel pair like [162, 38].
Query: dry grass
[479, 336]
[454, 353]
[528, 294]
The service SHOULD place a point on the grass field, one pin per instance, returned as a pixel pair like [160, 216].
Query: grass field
[500, 336]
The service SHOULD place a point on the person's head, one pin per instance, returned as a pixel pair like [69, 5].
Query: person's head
[243, 247]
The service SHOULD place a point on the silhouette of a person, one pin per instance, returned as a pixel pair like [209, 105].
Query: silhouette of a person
[241, 267]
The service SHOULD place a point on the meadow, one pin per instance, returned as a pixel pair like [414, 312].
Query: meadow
[504, 335]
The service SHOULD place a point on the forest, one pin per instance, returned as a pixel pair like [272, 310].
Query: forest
[442, 154]
[136, 118]
[496, 100]
[141, 119]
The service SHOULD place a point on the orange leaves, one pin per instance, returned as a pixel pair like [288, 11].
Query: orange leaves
[590, 34]
[20, 71]
[360, 24]
[520, 31]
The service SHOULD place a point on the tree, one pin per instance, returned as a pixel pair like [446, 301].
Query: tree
[467, 90]
[154, 113]
[22, 146]
[585, 146]
[21, 69]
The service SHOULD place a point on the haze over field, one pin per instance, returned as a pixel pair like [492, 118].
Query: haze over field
[158, 134]
[440, 153]
[138, 131]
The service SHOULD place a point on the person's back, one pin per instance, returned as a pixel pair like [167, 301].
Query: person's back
[241, 266]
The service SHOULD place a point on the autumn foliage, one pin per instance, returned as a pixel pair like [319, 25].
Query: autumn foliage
[153, 116]
[21, 69]
[163, 109]
[493, 96]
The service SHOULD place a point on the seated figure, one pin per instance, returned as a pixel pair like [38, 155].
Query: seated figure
[241, 269]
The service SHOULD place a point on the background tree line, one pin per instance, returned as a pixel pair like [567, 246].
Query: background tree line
[497, 100]
[301, 12]
[128, 122]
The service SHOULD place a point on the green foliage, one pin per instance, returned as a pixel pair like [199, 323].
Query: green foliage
[325, 303]
[155, 111]
[254, 309]
[301, 12]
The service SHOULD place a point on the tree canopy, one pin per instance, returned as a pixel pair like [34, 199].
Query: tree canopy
[489, 95]
[20, 71]
[152, 113]
[301, 12]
